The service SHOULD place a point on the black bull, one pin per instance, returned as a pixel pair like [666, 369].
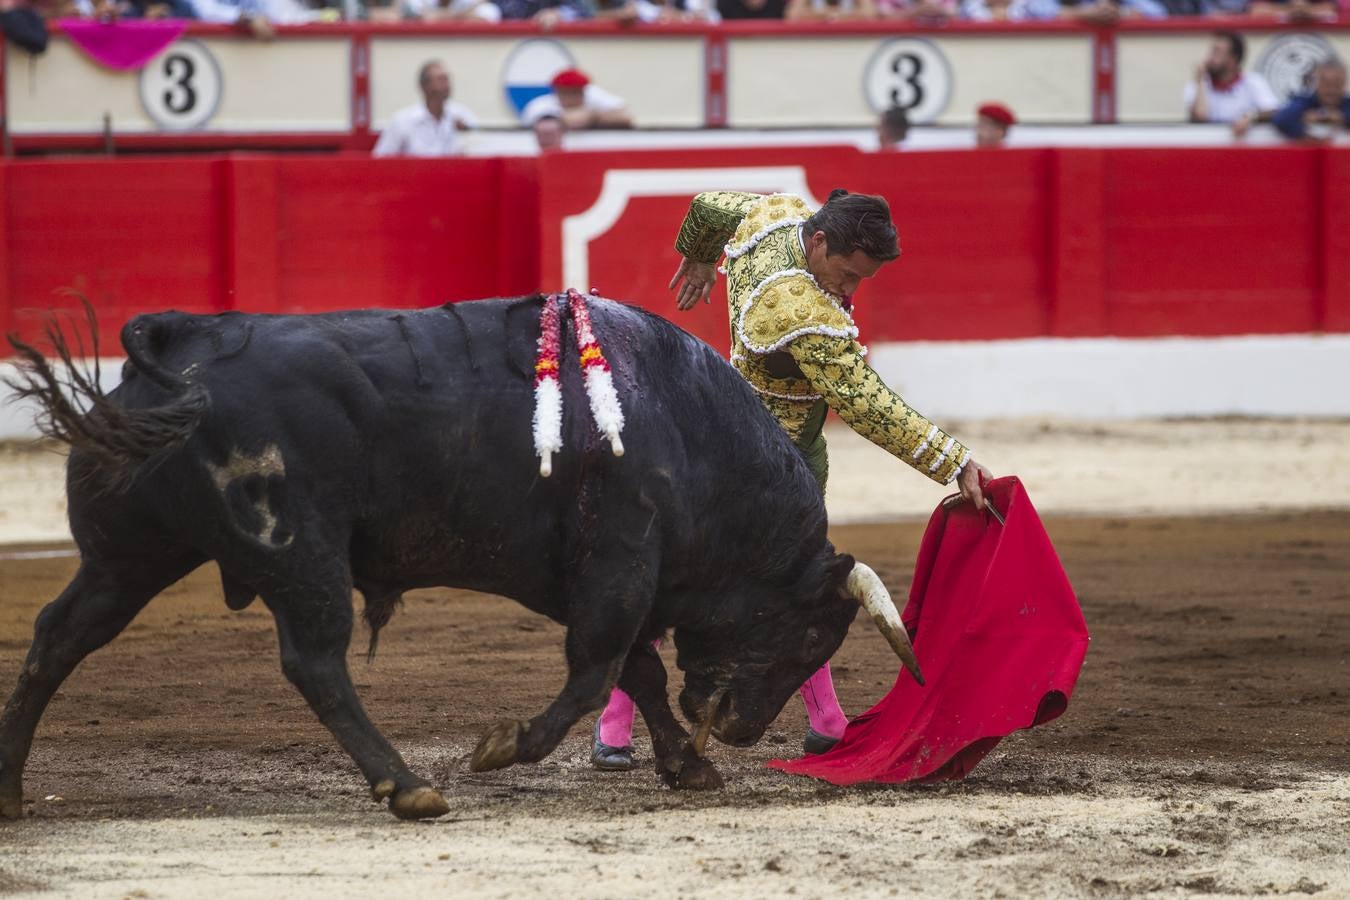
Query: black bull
[385, 451]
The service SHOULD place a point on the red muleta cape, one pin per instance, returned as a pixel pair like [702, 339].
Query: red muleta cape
[1000, 639]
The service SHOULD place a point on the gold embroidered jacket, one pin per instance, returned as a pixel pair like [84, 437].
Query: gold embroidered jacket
[792, 340]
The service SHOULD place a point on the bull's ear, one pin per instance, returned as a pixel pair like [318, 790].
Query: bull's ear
[840, 567]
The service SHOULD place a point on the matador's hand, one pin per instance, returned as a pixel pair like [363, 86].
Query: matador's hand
[969, 481]
[698, 281]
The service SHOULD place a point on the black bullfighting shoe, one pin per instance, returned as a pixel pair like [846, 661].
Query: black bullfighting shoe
[816, 743]
[607, 758]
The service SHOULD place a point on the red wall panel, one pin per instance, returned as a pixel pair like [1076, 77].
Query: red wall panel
[143, 234]
[1212, 242]
[972, 237]
[1023, 243]
[357, 232]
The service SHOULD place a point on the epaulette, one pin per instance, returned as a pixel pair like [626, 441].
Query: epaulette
[787, 305]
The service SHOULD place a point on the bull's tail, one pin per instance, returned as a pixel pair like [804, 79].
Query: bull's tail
[75, 410]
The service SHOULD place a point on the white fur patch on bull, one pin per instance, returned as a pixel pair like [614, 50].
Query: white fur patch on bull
[252, 487]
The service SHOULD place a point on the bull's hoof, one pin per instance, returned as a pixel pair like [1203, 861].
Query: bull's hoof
[11, 807]
[419, 803]
[690, 772]
[497, 749]
[700, 775]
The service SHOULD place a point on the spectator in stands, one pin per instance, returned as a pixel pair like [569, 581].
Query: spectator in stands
[1109, 12]
[579, 104]
[752, 9]
[1317, 117]
[24, 26]
[685, 10]
[1194, 8]
[1296, 10]
[892, 129]
[1008, 10]
[1222, 92]
[257, 16]
[429, 128]
[154, 9]
[625, 12]
[545, 13]
[829, 10]
[549, 131]
[452, 10]
[993, 121]
[924, 11]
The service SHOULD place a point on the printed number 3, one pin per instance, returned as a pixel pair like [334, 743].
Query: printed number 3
[180, 98]
[909, 67]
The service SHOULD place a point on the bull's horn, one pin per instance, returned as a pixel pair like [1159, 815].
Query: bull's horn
[865, 586]
[615, 445]
[546, 463]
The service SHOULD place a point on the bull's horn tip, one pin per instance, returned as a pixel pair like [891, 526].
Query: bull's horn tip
[546, 463]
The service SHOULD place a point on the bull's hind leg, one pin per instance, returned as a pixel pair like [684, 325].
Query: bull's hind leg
[606, 610]
[314, 625]
[98, 603]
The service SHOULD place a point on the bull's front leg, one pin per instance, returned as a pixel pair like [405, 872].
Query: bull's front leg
[678, 764]
[607, 607]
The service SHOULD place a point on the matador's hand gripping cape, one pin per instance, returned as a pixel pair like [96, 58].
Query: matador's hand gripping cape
[999, 635]
[794, 342]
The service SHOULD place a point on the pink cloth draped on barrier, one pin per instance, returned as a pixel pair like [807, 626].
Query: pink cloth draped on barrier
[125, 45]
[1000, 639]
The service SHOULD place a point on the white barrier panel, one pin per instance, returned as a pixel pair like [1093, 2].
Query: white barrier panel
[1096, 379]
[1115, 378]
[200, 84]
[847, 81]
[17, 418]
[660, 78]
[1154, 67]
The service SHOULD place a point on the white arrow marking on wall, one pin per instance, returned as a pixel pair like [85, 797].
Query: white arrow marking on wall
[620, 185]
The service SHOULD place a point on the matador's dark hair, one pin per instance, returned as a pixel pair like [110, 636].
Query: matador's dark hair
[854, 222]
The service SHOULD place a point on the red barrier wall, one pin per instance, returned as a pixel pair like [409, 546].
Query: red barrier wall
[264, 234]
[1017, 243]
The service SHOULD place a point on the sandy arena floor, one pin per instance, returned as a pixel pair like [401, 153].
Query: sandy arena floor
[1206, 752]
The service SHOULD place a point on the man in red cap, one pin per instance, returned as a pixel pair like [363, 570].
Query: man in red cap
[991, 124]
[579, 104]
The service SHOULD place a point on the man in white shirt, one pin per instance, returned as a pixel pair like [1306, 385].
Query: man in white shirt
[429, 128]
[579, 104]
[1221, 92]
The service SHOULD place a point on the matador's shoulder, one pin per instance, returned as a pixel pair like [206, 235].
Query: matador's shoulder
[764, 216]
[786, 306]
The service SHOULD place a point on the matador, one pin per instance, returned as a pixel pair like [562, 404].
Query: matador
[791, 273]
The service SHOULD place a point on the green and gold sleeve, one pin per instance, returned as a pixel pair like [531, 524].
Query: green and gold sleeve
[839, 373]
[710, 222]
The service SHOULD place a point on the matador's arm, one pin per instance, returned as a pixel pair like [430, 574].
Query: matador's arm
[837, 371]
[709, 224]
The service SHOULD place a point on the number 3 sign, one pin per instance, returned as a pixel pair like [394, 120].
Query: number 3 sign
[910, 73]
[181, 88]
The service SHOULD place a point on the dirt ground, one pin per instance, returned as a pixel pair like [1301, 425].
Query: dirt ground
[1206, 751]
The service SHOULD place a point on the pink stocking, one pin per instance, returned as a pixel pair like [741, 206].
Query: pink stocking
[822, 706]
[616, 720]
